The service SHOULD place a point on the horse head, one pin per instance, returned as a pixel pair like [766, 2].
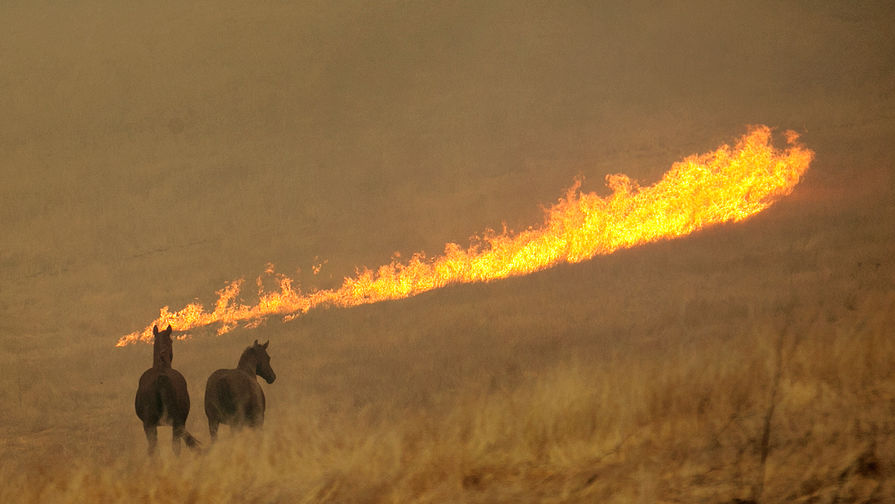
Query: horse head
[162, 348]
[262, 360]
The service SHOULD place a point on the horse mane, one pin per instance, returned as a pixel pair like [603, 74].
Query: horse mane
[248, 359]
[252, 357]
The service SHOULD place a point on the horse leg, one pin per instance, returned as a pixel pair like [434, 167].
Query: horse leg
[151, 436]
[256, 420]
[254, 414]
[175, 438]
[213, 424]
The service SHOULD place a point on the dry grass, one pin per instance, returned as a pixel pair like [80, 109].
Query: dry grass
[681, 424]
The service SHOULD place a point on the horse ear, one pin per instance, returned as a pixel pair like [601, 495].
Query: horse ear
[264, 346]
[256, 343]
[155, 330]
[168, 330]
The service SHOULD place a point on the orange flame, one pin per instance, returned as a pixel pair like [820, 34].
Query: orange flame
[730, 184]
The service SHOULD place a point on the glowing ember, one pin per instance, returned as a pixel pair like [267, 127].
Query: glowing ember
[729, 184]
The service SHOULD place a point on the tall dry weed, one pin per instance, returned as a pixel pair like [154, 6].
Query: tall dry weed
[684, 422]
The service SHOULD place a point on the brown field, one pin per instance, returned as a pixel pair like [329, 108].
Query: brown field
[149, 154]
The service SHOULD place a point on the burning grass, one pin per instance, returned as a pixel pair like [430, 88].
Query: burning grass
[728, 185]
[683, 423]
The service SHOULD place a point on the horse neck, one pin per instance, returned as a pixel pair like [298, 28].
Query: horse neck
[248, 362]
[159, 362]
[158, 359]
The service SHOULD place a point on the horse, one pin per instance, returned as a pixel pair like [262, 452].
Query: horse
[162, 397]
[233, 396]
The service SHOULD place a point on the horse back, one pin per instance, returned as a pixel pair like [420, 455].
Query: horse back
[162, 397]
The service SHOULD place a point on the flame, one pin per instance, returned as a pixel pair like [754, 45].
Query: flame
[727, 185]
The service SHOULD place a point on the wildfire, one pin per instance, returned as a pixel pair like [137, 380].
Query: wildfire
[727, 185]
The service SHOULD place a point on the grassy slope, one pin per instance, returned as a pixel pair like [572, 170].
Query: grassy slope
[681, 426]
[483, 394]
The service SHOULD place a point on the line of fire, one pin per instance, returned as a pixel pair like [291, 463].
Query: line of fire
[729, 184]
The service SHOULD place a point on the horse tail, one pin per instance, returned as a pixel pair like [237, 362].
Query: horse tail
[191, 442]
[168, 397]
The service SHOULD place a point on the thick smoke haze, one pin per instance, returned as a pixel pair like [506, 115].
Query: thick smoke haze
[149, 153]
[140, 142]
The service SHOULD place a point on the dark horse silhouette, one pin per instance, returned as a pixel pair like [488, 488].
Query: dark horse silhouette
[233, 396]
[162, 397]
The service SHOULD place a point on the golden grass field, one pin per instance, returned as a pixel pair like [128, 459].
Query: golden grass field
[150, 154]
[483, 394]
